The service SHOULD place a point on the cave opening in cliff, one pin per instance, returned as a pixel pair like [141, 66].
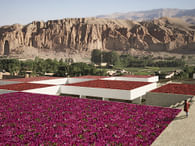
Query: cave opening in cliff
[6, 48]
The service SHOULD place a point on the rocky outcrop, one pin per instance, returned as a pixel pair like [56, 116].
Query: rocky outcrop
[82, 35]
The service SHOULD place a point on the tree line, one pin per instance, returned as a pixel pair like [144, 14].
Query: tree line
[40, 66]
[112, 58]
[67, 67]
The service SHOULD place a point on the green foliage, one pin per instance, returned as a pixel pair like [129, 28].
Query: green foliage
[186, 73]
[62, 70]
[96, 56]
[51, 65]
[40, 66]
[172, 63]
[78, 69]
[10, 65]
[111, 58]
[66, 67]
[130, 61]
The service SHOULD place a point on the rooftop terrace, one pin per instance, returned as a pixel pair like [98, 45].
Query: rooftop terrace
[33, 79]
[110, 84]
[185, 89]
[22, 86]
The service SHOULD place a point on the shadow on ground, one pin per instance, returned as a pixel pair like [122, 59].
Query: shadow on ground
[180, 117]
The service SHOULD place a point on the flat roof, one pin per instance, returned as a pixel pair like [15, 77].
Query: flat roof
[137, 76]
[23, 86]
[186, 89]
[2, 91]
[33, 79]
[91, 77]
[5, 82]
[111, 84]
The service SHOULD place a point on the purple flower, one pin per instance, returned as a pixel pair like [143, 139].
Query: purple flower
[32, 119]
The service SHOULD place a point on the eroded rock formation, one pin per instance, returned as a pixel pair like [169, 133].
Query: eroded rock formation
[80, 35]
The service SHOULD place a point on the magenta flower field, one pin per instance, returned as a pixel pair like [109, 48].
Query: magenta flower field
[35, 119]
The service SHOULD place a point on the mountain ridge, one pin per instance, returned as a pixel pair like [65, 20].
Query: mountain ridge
[77, 37]
[186, 14]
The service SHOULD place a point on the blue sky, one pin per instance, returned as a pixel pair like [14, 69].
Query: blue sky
[26, 11]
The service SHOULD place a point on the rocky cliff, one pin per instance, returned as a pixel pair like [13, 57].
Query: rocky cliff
[81, 35]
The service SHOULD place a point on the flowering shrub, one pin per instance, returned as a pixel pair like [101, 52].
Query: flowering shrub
[186, 89]
[23, 86]
[31, 119]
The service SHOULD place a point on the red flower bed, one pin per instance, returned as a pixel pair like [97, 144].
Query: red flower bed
[186, 89]
[112, 84]
[23, 86]
[33, 79]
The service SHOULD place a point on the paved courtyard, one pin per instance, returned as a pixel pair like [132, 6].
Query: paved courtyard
[181, 131]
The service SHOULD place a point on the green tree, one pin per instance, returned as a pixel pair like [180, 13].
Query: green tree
[26, 66]
[62, 70]
[96, 56]
[39, 66]
[51, 65]
[111, 58]
[14, 66]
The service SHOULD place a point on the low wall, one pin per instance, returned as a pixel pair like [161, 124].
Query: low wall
[149, 79]
[164, 99]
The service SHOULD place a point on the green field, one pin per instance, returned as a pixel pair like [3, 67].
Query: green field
[150, 70]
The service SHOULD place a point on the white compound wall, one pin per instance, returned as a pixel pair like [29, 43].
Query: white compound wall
[149, 79]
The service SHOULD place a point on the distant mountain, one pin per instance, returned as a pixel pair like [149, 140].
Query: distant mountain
[186, 14]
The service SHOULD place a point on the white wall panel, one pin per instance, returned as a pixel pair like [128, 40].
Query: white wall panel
[96, 92]
[149, 79]
[137, 92]
[54, 90]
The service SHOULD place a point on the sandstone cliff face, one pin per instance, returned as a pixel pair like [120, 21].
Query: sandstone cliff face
[73, 36]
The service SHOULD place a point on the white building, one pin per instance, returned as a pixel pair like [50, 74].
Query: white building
[109, 89]
[120, 88]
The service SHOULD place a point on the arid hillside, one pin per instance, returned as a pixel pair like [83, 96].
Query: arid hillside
[76, 38]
